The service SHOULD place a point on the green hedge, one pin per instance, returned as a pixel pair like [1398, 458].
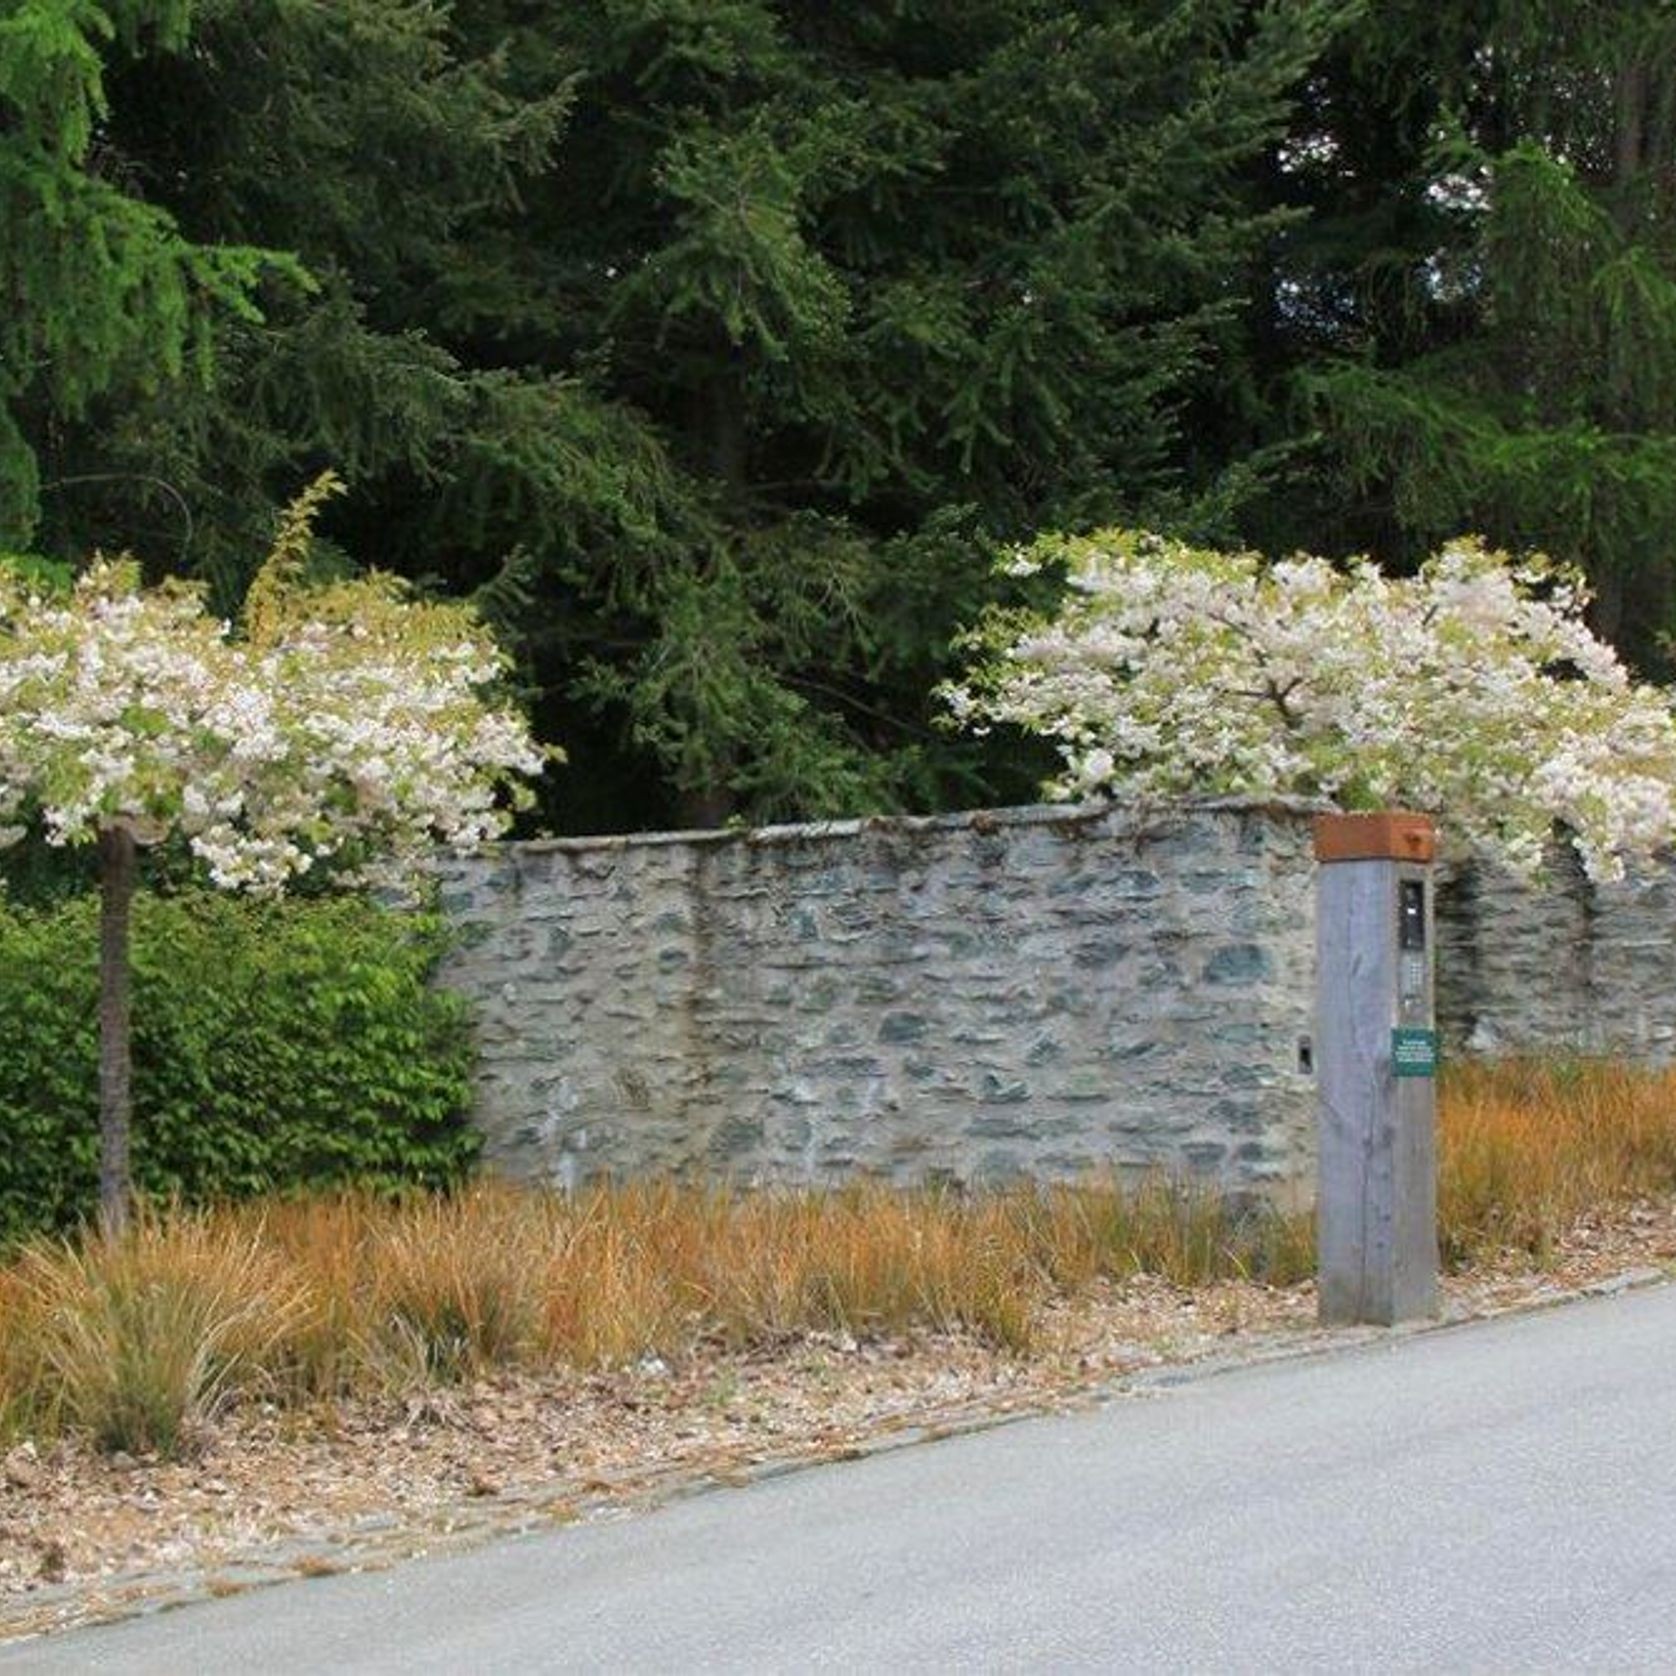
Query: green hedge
[276, 1045]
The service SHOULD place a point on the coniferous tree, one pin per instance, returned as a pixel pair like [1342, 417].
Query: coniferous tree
[102, 292]
[715, 341]
[1483, 300]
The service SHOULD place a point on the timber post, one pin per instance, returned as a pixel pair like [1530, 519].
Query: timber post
[1376, 1068]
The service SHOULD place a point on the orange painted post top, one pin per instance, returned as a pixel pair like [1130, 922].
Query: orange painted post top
[1390, 835]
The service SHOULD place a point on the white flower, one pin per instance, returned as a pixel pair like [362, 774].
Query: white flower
[353, 719]
[1474, 690]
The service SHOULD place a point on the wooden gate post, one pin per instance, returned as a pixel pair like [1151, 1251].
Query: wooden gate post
[1376, 1061]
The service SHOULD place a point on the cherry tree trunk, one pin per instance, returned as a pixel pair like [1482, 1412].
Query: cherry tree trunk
[118, 867]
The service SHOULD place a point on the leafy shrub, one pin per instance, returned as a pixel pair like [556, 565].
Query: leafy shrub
[276, 1045]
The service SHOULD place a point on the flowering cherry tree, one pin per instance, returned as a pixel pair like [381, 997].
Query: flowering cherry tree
[1474, 690]
[345, 728]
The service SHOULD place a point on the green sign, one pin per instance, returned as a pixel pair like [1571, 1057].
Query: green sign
[1413, 1052]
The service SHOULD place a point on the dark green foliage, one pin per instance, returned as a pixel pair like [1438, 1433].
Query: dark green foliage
[1482, 303]
[275, 1046]
[716, 345]
[102, 293]
[720, 340]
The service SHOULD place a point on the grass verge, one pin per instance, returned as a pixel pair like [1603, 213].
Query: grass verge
[1528, 1148]
[137, 1344]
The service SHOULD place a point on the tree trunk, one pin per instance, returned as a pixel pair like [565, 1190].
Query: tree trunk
[702, 810]
[1631, 90]
[117, 869]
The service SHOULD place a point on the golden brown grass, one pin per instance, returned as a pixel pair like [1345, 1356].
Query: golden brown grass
[137, 1343]
[1525, 1149]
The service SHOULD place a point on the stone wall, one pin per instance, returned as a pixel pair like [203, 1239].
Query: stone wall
[1560, 966]
[974, 997]
[1040, 991]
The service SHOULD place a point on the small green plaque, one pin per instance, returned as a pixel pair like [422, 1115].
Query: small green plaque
[1413, 1052]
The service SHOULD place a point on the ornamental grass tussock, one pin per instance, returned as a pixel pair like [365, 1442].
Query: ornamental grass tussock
[1528, 1148]
[138, 1342]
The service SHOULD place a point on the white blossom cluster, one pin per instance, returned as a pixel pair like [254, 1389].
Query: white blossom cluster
[346, 725]
[1474, 690]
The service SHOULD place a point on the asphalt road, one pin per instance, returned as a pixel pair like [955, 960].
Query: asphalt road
[1493, 1497]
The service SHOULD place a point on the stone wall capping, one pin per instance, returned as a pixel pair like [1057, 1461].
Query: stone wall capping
[971, 820]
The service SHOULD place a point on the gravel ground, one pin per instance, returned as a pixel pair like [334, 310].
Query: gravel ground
[273, 1494]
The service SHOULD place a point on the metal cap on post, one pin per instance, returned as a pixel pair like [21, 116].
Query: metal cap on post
[1376, 1059]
